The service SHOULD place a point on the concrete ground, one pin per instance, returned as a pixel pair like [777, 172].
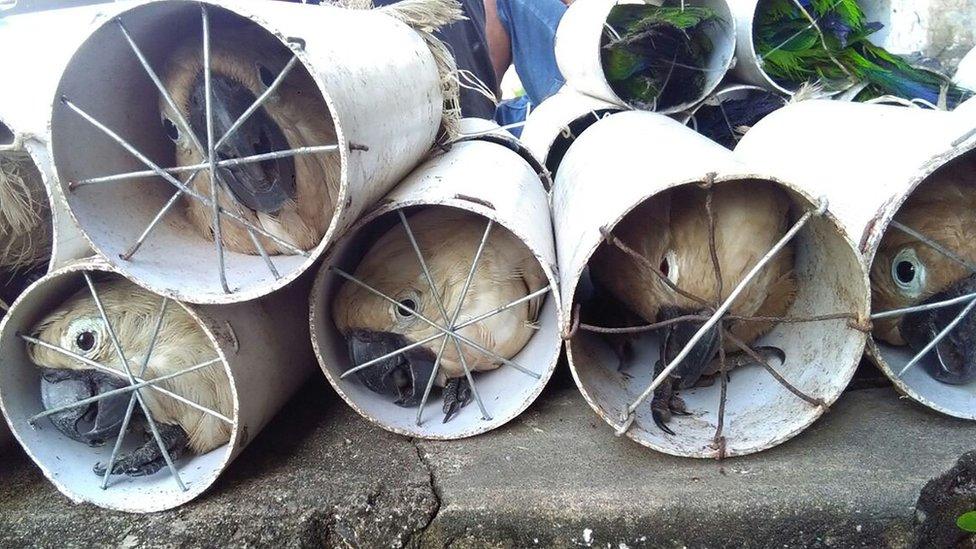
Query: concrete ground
[556, 476]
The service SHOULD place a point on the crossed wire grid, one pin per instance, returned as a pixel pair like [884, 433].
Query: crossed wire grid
[968, 299]
[718, 314]
[136, 384]
[208, 151]
[450, 325]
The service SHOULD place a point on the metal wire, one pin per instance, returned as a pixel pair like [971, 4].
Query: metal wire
[460, 325]
[627, 416]
[132, 401]
[211, 151]
[257, 102]
[449, 320]
[934, 245]
[935, 341]
[132, 380]
[433, 324]
[921, 308]
[228, 163]
[175, 182]
[105, 369]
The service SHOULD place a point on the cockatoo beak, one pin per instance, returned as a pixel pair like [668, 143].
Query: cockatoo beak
[261, 186]
[91, 424]
[677, 336]
[953, 360]
[404, 376]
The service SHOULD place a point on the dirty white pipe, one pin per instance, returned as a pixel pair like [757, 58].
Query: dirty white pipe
[965, 75]
[876, 157]
[262, 346]
[384, 99]
[760, 413]
[490, 180]
[551, 126]
[480, 129]
[579, 40]
[26, 94]
[28, 89]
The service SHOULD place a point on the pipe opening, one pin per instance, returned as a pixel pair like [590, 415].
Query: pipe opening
[6, 135]
[25, 223]
[666, 58]
[362, 317]
[568, 136]
[141, 188]
[727, 115]
[925, 269]
[66, 394]
[794, 315]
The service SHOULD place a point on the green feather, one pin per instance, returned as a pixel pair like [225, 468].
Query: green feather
[655, 53]
[793, 52]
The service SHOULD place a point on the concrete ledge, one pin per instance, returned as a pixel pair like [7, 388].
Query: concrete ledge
[319, 475]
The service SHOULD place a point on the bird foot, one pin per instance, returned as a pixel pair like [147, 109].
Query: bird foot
[666, 404]
[148, 459]
[457, 394]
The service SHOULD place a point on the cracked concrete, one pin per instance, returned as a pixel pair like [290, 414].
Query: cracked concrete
[321, 476]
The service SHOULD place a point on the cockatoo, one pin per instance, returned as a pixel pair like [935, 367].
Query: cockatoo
[292, 198]
[672, 232]
[132, 311]
[25, 225]
[449, 239]
[907, 272]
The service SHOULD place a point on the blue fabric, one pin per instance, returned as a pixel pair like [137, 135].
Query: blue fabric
[531, 26]
[512, 111]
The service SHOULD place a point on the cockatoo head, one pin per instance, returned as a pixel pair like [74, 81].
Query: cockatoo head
[78, 327]
[240, 73]
[907, 272]
[750, 217]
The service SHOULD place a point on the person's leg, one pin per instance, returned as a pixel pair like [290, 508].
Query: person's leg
[531, 27]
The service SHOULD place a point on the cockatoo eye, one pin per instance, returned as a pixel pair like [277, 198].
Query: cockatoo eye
[908, 272]
[85, 341]
[85, 334]
[409, 301]
[171, 130]
[265, 76]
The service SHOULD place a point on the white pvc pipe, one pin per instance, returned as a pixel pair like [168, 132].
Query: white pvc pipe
[551, 122]
[263, 347]
[579, 38]
[760, 413]
[878, 155]
[383, 95]
[488, 179]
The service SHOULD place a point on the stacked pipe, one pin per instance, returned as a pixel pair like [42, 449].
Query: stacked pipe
[209, 169]
[37, 232]
[911, 215]
[780, 355]
[470, 225]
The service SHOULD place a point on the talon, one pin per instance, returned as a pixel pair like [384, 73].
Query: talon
[770, 350]
[660, 420]
[457, 394]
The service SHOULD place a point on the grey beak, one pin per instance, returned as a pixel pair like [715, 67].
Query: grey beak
[264, 186]
[404, 376]
[954, 359]
[91, 424]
